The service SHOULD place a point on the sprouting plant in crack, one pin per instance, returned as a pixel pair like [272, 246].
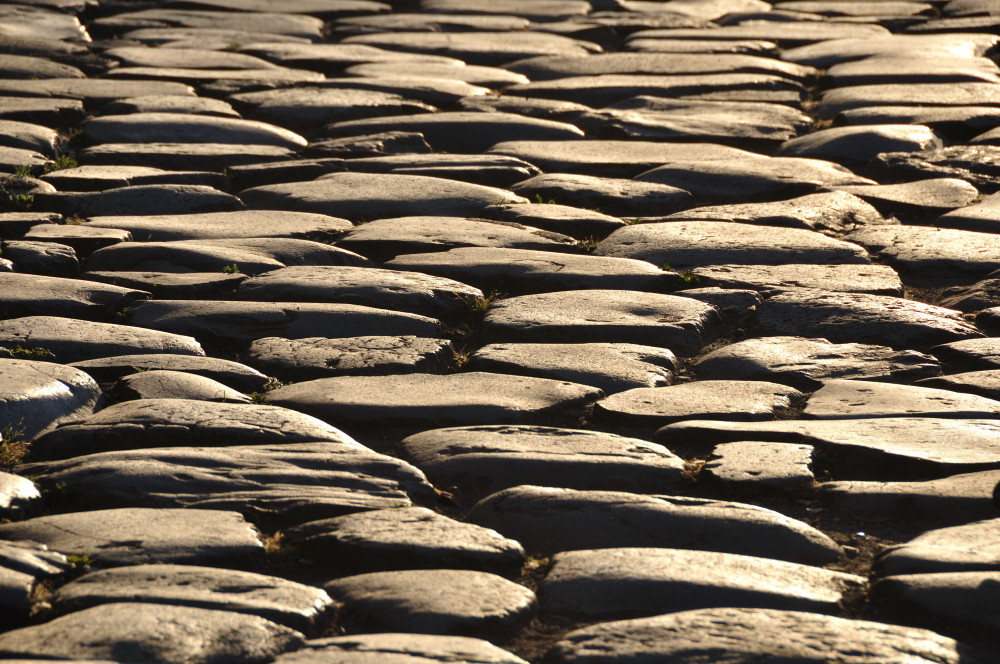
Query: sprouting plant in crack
[63, 162]
[231, 269]
[23, 171]
[32, 353]
[13, 445]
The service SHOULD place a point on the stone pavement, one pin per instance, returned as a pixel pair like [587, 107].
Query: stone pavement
[500, 331]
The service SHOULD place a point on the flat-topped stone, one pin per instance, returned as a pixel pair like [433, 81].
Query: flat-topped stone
[605, 584]
[413, 292]
[219, 225]
[976, 164]
[862, 398]
[948, 597]
[168, 384]
[923, 195]
[489, 77]
[428, 400]
[703, 399]
[985, 383]
[19, 498]
[269, 482]
[187, 128]
[983, 216]
[838, 100]
[93, 92]
[786, 34]
[417, 648]
[759, 465]
[384, 238]
[294, 25]
[32, 294]
[130, 536]
[686, 244]
[860, 318]
[478, 48]
[806, 363]
[928, 250]
[321, 357]
[101, 178]
[437, 601]
[832, 212]
[612, 367]
[235, 375]
[158, 634]
[683, 325]
[142, 199]
[743, 635]
[969, 354]
[36, 396]
[479, 460]
[547, 520]
[29, 136]
[365, 196]
[183, 156]
[569, 220]
[849, 278]
[941, 444]
[182, 423]
[617, 196]
[955, 122]
[554, 67]
[965, 548]
[244, 322]
[856, 145]
[194, 58]
[71, 340]
[285, 602]
[532, 271]
[170, 104]
[404, 538]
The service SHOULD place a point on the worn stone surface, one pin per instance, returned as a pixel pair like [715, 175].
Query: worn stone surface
[166, 384]
[479, 460]
[805, 363]
[404, 538]
[862, 398]
[754, 464]
[942, 252]
[291, 604]
[215, 225]
[424, 648]
[235, 375]
[616, 196]
[548, 521]
[965, 548]
[18, 496]
[953, 597]
[132, 632]
[459, 602]
[850, 278]
[606, 584]
[36, 396]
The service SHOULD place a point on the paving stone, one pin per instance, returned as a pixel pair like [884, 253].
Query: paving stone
[572, 221]
[142, 199]
[800, 33]
[955, 122]
[617, 196]
[383, 239]
[488, 170]
[37, 396]
[181, 423]
[170, 104]
[393, 289]
[951, 597]
[526, 270]
[489, 77]
[193, 58]
[430, 22]
[461, 131]
[555, 67]
[945, 253]
[429, 400]
[969, 354]
[173, 285]
[547, 520]
[15, 596]
[214, 38]
[949, 501]
[334, 58]
[320, 357]
[235, 375]
[434, 91]
[860, 318]
[491, 49]
[438, 601]
[133, 632]
[33, 68]
[29, 137]
[925, 443]
[84, 241]
[969, 547]
[719, 399]
[131, 536]
[73, 340]
[711, 10]
[32, 558]
[166, 384]
[856, 145]
[218, 225]
[838, 100]
[682, 325]
[268, 22]
[613, 158]
[863, 398]
[93, 92]
[983, 216]
[270, 482]
[742, 635]
[917, 197]
[876, 9]
[309, 109]
[685, 244]
[917, 69]
[731, 303]
[548, 10]
[762, 465]
[807, 363]
[42, 258]
[243, 322]
[976, 164]
[28, 294]
[47, 112]
[386, 648]
[358, 196]
[985, 383]
[284, 602]
[611, 367]
[14, 225]
[754, 178]
[182, 156]
[404, 538]
[856, 278]
[479, 460]
[321, 8]
[19, 498]
[185, 128]
[251, 255]
[608, 584]
[831, 212]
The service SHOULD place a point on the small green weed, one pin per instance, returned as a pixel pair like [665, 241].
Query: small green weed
[588, 244]
[542, 201]
[20, 202]
[23, 171]
[259, 398]
[79, 561]
[35, 353]
[232, 47]
[13, 446]
[63, 162]
[690, 278]
[272, 384]
[631, 222]
[478, 305]
[122, 314]
[231, 269]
